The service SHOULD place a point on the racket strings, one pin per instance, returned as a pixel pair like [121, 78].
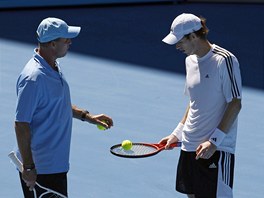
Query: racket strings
[52, 195]
[136, 150]
[143, 149]
[55, 196]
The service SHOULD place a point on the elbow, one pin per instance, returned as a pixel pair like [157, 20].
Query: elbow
[237, 104]
[21, 127]
[17, 126]
[240, 106]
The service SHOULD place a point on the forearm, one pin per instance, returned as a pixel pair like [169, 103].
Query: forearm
[84, 115]
[185, 115]
[230, 115]
[77, 112]
[177, 132]
[24, 142]
[81, 114]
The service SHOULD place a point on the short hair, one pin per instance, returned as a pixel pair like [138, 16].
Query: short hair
[47, 43]
[202, 32]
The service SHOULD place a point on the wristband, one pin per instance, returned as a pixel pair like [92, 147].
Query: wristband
[83, 115]
[217, 137]
[29, 167]
[178, 131]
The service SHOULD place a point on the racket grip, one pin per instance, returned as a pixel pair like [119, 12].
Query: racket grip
[178, 144]
[16, 161]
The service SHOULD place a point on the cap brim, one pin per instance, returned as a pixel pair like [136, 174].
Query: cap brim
[170, 39]
[73, 31]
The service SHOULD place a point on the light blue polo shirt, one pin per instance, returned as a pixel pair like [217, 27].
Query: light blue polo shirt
[43, 100]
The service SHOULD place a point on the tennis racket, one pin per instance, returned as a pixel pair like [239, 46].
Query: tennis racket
[46, 192]
[140, 150]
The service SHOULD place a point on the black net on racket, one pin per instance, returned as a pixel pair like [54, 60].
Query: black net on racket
[137, 150]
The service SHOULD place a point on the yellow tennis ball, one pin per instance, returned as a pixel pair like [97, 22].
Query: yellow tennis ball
[100, 127]
[127, 145]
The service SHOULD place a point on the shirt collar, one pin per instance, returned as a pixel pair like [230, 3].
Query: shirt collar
[42, 61]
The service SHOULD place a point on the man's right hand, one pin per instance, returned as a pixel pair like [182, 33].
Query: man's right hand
[168, 140]
[30, 178]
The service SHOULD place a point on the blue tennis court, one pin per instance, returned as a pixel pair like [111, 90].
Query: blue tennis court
[146, 104]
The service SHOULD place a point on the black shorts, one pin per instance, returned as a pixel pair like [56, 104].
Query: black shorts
[57, 182]
[206, 178]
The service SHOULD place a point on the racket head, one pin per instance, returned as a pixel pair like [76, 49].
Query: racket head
[139, 150]
[41, 192]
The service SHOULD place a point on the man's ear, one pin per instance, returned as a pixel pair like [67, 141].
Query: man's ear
[53, 43]
[192, 36]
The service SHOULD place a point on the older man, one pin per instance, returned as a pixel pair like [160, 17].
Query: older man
[43, 120]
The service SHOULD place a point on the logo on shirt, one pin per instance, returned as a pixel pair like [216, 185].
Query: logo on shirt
[214, 139]
[207, 76]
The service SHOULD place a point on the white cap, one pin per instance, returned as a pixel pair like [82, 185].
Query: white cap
[52, 28]
[182, 25]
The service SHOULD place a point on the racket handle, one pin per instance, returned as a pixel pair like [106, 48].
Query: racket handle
[178, 144]
[16, 161]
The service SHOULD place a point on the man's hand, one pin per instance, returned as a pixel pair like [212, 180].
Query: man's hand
[30, 178]
[205, 150]
[168, 140]
[101, 119]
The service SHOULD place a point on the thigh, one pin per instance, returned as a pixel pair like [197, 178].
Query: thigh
[198, 177]
[215, 176]
[184, 177]
[57, 182]
[225, 175]
[26, 192]
[206, 176]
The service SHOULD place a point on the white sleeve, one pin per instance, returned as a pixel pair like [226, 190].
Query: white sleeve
[231, 78]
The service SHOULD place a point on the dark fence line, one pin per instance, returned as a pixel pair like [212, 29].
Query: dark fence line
[133, 33]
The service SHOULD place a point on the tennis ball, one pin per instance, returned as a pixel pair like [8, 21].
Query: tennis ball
[100, 127]
[126, 145]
